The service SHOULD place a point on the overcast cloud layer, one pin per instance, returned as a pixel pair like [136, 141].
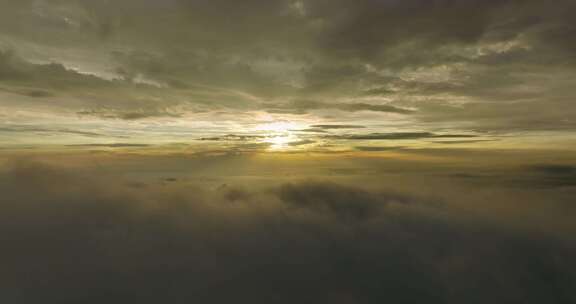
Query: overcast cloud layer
[156, 68]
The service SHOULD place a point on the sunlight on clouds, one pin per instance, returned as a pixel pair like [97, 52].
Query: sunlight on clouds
[279, 134]
[278, 126]
[287, 151]
[281, 142]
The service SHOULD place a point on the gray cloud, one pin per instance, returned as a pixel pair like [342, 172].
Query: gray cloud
[114, 145]
[30, 92]
[457, 142]
[301, 142]
[494, 59]
[130, 115]
[15, 69]
[95, 232]
[233, 137]
[554, 175]
[303, 106]
[332, 127]
[378, 149]
[555, 169]
[397, 136]
[312, 130]
[347, 203]
[31, 129]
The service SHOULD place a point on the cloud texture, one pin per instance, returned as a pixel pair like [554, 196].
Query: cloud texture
[75, 236]
[495, 66]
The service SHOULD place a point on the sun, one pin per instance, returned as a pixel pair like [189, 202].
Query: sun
[277, 127]
[281, 142]
[279, 134]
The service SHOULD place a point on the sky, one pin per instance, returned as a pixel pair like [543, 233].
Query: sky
[281, 151]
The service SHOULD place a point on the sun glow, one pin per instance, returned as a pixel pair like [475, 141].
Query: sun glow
[279, 134]
[280, 142]
[277, 126]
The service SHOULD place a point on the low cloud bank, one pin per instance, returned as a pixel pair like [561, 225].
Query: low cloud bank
[82, 237]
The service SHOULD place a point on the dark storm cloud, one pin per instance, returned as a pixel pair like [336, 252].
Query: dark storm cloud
[84, 237]
[397, 136]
